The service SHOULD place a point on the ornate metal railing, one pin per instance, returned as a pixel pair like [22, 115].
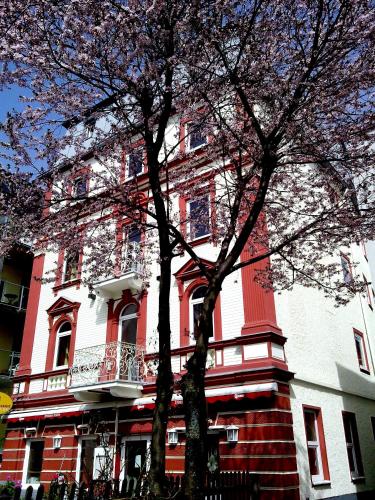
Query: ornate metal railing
[115, 361]
[13, 295]
[132, 258]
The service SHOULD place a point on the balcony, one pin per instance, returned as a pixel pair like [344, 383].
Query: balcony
[9, 361]
[13, 295]
[130, 273]
[113, 369]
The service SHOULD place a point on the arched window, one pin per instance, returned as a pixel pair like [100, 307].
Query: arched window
[63, 337]
[128, 324]
[196, 304]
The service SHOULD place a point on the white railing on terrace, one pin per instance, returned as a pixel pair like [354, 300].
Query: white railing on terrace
[132, 259]
[13, 295]
[112, 362]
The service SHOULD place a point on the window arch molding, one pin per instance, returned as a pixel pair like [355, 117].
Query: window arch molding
[115, 309]
[62, 311]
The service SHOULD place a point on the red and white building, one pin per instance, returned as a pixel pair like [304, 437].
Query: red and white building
[290, 381]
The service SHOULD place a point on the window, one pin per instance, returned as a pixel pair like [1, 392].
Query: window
[71, 265]
[361, 351]
[316, 449]
[199, 216]
[131, 258]
[346, 270]
[368, 292]
[128, 324]
[35, 462]
[135, 163]
[80, 186]
[63, 337]
[195, 137]
[352, 445]
[196, 304]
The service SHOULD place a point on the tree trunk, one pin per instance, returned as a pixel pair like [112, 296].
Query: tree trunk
[164, 386]
[195, 407]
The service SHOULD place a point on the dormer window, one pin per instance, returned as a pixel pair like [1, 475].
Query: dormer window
[89, 128]
[135, 163]
[80, 186]
[196, 138]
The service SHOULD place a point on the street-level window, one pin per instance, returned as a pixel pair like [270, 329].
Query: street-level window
[71, 265]
[35, 462]
[135, 163]
[316, 450]
[196, 138]
[352, 445]
[63, 338]
[346, 269]
[199, 217]
[361, 351]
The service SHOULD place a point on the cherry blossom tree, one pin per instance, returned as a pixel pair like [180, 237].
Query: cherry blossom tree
[283, 91]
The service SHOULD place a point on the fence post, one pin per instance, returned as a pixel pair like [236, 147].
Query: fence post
[17, 493]
[29, 493]
[72, 492]
[40, 492]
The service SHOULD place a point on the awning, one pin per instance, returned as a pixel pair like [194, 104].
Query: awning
[213, 395]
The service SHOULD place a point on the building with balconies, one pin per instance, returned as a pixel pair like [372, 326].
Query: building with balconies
[290, 377]
[15, 271]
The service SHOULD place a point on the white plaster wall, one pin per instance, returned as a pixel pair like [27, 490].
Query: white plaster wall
[320, 346]
[332, 403]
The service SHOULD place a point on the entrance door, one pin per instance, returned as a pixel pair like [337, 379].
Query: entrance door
[86, 460]
[135, 458]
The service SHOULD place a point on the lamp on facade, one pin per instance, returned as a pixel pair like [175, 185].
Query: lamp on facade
[57, 442]
[232, 433]
[172, 436]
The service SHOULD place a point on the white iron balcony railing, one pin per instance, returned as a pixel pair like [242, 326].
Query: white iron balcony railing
[13, 295]
[116, 368]
[129, 273]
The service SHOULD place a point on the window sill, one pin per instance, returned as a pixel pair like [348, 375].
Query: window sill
[365, 370]
[67, 284]
[358, 479]
[321, 482]
[200, 241]
[197, 148]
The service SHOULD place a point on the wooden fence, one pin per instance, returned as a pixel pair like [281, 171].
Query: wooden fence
[221, 486]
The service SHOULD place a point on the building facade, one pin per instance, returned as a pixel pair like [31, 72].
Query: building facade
[15, 270]
[290, 379]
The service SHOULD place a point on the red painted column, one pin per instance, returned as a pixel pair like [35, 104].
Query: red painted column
[31, 316]
[258, 302]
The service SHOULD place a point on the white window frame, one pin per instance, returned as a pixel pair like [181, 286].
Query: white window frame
[79, 453]
[126, 317]
[26, 464]
[124, 440]
[315, 478]
[361, 343]
[57, 343]
[192, 302]
[187, 139]
[129, 175]
[209, 217]
[354, 474]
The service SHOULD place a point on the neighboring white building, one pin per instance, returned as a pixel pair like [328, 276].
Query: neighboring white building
[302, 416]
